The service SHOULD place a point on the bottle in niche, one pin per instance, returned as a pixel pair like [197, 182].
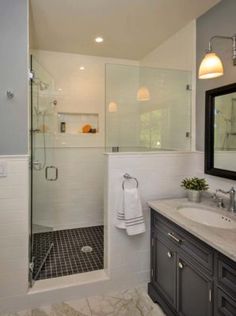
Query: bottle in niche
[63, 127]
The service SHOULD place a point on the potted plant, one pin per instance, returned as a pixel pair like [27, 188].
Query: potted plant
[194, 187]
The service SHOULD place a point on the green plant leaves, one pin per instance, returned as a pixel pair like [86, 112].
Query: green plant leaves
[195, 184]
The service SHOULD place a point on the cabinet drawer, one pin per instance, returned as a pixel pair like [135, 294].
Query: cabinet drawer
[224, 304]
[226, 274]
[198, 250]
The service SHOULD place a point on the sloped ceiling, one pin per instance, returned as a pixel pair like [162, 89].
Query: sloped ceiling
[130, 28]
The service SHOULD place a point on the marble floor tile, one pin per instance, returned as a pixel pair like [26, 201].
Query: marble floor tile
[133, 302]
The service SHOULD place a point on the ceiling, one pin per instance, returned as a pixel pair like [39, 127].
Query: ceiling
[130, 28]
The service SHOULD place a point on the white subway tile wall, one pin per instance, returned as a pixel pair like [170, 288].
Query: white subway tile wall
[159, 176]
[127, 258]
[14, 227]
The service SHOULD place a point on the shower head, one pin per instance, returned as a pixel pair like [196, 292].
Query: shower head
[41, 84]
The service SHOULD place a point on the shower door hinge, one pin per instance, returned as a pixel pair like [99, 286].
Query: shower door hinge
[31, 267]
[31, 270]
[188, 87]
[31, 75]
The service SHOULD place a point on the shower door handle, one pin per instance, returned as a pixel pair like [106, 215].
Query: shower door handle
[47, 169]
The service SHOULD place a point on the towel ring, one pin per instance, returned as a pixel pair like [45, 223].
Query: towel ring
[128, 177]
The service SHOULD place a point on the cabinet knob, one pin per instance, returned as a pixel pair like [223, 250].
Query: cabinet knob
[181, 265]
[169, 254]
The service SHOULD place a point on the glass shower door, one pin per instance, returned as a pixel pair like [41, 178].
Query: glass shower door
[42, 168]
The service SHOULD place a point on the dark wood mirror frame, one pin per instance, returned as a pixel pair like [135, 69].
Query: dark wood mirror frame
[209, 132]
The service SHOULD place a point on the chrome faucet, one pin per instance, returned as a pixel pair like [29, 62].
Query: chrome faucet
[231, 193]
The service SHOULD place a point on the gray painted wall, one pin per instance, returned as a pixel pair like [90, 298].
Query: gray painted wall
[13, 76]
[221, 20]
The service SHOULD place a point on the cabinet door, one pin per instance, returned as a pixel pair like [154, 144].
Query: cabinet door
[194, 294]
[164, 270]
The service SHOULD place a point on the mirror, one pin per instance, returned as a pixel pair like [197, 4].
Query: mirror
[220, 132]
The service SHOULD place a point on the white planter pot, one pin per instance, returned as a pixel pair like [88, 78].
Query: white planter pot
[194, 196]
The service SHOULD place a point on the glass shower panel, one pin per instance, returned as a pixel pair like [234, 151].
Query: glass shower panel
[122, 114]
[147, 109]
[67, 165]
[42, 166]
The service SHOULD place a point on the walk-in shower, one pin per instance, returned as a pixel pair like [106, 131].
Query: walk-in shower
[66, 238]
[73, 123]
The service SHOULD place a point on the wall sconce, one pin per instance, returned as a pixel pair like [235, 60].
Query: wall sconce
[143, 94]
[112, 107]
[211, 65]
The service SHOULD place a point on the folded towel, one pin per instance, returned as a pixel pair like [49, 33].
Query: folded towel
[130, 213]
[120, 217]
[134, 220]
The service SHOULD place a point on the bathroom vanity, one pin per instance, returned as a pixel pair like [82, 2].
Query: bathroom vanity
[193, 262]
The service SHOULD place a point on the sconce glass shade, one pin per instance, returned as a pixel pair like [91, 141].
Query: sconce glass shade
[143, 94]
[112, 107]
[211, 67]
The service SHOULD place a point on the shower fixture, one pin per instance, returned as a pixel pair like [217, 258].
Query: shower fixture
[211, 65]
[10, 94]
[54, 102]
[41, 84]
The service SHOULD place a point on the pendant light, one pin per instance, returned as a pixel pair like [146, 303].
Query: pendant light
[143, 94]
[112, 107]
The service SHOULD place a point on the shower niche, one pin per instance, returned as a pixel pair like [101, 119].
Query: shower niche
[78, 123]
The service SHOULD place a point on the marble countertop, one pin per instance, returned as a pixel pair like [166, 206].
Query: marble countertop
[223, 240]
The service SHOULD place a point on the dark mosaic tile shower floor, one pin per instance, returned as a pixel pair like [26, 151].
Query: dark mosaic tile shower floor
[66, 257]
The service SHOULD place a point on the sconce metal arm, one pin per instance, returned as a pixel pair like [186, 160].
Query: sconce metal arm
[232, 38]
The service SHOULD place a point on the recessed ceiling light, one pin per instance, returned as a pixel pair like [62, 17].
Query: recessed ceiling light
[82, 68]
[99, 39]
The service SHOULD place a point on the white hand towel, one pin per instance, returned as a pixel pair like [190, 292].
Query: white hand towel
[120, 212]
[133, 213]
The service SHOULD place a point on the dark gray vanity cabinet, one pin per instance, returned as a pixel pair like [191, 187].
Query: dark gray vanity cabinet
[194, 295]
[188, 277]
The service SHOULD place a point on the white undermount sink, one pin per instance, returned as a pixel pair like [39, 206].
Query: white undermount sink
[207, 217]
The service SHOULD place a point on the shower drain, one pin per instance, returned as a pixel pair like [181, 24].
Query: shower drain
[86, 249]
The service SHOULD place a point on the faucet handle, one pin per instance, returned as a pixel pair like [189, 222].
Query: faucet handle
[220, 202]
[214, 196]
